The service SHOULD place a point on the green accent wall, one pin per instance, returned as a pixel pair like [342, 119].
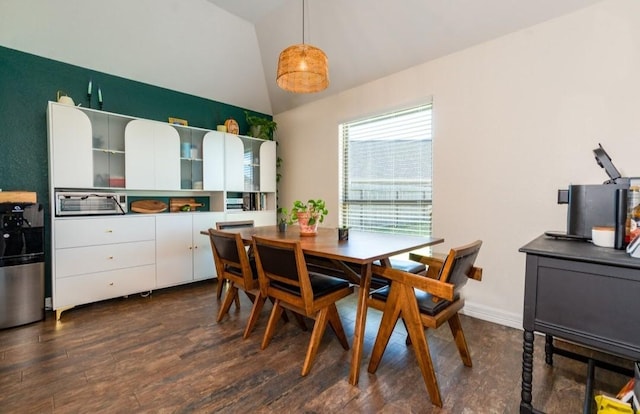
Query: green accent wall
[28, 82]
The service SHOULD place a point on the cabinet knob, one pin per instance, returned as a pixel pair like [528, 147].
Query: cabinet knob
[110, 257]
[190, 247]
[109, 231]
[110, 283]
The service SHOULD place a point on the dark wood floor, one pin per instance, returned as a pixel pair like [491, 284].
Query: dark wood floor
[165, 353]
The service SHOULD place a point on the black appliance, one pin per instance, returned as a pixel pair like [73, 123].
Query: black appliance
[597, 204]
[21, 264]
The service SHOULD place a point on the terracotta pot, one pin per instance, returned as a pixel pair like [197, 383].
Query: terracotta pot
[305, 228]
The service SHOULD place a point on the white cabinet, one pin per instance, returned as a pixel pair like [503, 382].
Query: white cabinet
[183, 254]
[203, 266]
[233, 163]
[86, 147]
[102, 258]
[250, 175]
[152, 159]
[213, 161]
[250, 164]
[268, 167]
[201, 159]
[71, 129]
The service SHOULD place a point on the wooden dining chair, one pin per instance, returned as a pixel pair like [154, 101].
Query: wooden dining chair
[425, 302]
[225, 225]
[283, 276]
[234, 267]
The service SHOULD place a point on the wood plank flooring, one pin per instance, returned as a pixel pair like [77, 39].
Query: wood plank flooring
[166, 354]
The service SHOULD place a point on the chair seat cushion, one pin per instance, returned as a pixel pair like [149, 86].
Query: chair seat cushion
[425, 302]
[320, 284]
[408, 266]
[238, 272]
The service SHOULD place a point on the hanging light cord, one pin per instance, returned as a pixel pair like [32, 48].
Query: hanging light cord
[303, 22]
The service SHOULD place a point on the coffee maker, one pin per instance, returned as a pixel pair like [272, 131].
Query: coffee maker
[598, 204]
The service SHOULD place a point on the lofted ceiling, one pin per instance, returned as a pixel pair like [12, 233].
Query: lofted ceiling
[369, 39]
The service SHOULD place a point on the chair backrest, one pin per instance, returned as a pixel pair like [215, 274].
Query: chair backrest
[222, 225]
[458, 266]
[230, 256]
[281, 263]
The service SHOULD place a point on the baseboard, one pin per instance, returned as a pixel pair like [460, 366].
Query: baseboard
[489, 314]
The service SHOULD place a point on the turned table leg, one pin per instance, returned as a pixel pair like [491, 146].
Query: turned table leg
[527, 373]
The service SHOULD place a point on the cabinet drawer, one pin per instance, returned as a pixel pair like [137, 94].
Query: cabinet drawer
[81, 260]
[96, 231]
[82, 289]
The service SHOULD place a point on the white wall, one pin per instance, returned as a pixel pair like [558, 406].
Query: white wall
[192, 47]
[515, 119]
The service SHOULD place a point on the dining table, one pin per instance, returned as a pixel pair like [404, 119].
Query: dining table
[362, 248]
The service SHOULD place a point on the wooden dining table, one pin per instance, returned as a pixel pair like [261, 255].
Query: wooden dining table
[361, 248]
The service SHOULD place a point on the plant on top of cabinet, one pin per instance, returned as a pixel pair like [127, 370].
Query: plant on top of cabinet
[260, 127]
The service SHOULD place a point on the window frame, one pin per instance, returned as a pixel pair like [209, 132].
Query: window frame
[412, 215]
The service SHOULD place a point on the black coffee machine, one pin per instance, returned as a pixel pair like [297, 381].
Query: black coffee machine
[598, 204]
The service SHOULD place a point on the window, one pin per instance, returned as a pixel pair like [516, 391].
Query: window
[386, 175]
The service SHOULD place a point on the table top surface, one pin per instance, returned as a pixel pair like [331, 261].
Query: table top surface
[579, 250]
[361, 247]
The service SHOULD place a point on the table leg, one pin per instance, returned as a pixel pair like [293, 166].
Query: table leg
[361, 318]
[588, 393]
[527, 372]
[548, 349]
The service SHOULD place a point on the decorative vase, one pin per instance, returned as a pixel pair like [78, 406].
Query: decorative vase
[305, 228]
[282, 227]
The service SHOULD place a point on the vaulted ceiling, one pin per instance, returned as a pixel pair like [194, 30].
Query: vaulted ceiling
[369, 39]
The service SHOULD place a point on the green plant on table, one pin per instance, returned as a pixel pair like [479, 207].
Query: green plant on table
[284, 215]
[316, 209]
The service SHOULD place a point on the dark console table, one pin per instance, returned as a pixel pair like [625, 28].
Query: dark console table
[582, 293]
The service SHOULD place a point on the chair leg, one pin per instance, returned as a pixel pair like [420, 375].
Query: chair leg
[316, 336]
[411, 316]
[232, 292]
[221, 282]
[276, 312]
[284, 316]
[258, 303]
[236, 299]
[336, 325]
[407, 340]
[301, 323]
[461, 342]
[387, 324]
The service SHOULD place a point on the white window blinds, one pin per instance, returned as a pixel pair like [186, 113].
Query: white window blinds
[386, 172]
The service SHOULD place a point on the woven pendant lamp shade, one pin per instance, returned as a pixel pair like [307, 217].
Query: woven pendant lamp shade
[303, 68]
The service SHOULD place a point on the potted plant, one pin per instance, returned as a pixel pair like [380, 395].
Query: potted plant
[260, 127]
[308, 215]
[284, 219]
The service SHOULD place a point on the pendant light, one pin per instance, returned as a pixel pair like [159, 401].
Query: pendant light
[303, 68]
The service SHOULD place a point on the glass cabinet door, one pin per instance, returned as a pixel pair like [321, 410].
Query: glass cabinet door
[191, 157]
[251, 164]
[108, 149]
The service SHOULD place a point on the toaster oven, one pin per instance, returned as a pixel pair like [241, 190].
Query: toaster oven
[90, 203]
